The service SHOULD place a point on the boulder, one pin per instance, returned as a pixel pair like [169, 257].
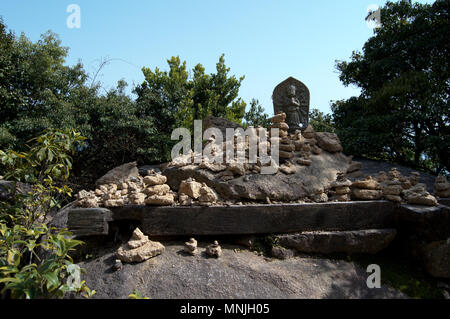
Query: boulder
[351, 242]
[119, 174]
[425, 200]
[436, 258]
[278, 187]
[328, 142]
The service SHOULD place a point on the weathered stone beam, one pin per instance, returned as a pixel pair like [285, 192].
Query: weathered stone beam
[258, 219]
[89, 221]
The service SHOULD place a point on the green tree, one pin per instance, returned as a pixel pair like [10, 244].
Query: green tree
[256, 116]
[174, 99]
[35, 260]
[402, 113]
[321, 122]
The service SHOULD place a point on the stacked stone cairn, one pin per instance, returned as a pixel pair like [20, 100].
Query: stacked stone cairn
[340, 189]
[214, 250]
[139, 248]
[305, 144]
[287, 148]
[190, 247]
[192, 192]
[442, 187]
[366, 189]
[136, 190]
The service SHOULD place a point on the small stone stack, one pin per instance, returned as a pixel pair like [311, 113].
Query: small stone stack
[417, 195]
[341, 189]
[157, 190]
[190, 190]
[393, 184]
[214, 250]
[442, 187]
[366, 189]
[190, 247]
[139, 248]
[287, 148]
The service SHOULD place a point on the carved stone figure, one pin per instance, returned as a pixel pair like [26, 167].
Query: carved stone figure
[292, 97]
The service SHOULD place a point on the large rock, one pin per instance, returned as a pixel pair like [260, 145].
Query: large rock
[350, 242]
[329, 142]
[436, 258]
[303, 183]
[119, 174]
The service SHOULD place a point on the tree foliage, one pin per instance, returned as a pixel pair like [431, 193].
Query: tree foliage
[402, 113]
[174, 99]
[320, 121]
[35, 260]
[256, 116]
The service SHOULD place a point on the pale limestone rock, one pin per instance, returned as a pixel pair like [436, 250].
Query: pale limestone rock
[288, 169]
[153, 180]
[137, 199]
[280, 125]
[442, 187]
[320, 198]
[207, 194]
[236, 169]
[279, 118]
[316, 150]
[190, 247]
[395, 190]
[114, 203]
[308, 132]
[139, 248]
[157, 190]
[393, 198]
[419, 199]
[185, 200]
[367, 194]
[342, 190]
[160, 200]
[394, 174]
[214, 250]
[304, 162]
[328, 142]
[367, 183]
[191, 188]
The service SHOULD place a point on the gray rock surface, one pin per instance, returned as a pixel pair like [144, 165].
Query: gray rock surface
[237, 274]
[436, 258]
[119, 174]
[360, 241]
[304, 182]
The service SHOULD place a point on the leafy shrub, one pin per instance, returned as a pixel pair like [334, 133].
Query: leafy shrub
[35, 260]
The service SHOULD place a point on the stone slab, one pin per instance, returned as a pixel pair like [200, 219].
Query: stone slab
[89, 221]
[241, 220]
[368, 241]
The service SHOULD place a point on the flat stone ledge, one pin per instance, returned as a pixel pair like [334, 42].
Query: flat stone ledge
[241, 220]
[368, 241]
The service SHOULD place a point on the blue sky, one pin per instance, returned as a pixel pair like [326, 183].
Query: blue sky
[267, 41]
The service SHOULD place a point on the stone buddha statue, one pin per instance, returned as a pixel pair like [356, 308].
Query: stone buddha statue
[292, 97]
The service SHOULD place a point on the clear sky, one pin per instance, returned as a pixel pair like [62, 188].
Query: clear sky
[265, 40]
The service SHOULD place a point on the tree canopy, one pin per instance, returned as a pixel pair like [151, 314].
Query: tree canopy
[402, 113]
